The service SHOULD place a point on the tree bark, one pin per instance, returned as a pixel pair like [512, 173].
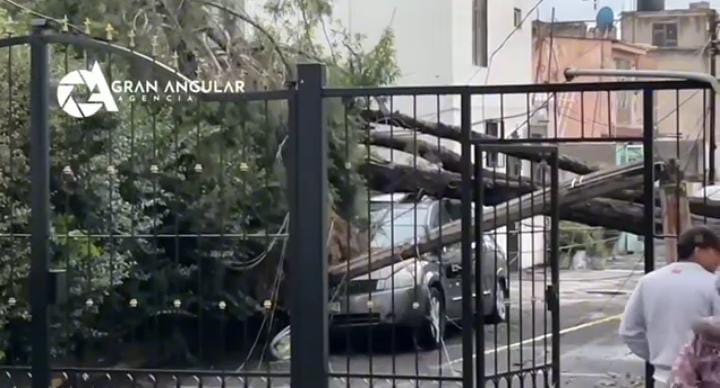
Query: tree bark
[700, 207]
[450, 160]
[445, 131]
[594, 186]
[704, 207]
[393, 178]
[608, 213]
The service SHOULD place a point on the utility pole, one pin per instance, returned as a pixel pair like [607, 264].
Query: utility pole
[713, 71]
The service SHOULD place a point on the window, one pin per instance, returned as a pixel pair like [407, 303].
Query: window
[492, 128]
[665, 35]
[517, 17]
[479, 33]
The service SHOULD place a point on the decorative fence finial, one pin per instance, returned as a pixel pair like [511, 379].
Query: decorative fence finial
[175, 58]
[109, 32]
[87, 26]
[131, 35]
[65, 24]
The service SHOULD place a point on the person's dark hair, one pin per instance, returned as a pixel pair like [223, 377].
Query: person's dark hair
[696, 237]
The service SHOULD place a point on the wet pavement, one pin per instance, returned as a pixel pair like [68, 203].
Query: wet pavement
[592, 354]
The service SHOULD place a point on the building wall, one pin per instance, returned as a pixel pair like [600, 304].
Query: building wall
[422, 31]
[693, 36]
[434, 47]
[512, 64]
[604, 155]
[692, 26]
[590, 114]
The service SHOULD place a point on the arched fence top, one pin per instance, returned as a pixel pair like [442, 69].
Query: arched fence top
[86, 42]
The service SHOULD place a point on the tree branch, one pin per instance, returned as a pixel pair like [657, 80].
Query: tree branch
[393, 178]
[258, 27]
[454, 133]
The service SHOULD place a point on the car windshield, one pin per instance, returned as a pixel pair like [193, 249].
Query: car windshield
[400, 228]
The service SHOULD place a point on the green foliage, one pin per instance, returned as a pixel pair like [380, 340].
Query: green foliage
[577, 237]
[157, 175]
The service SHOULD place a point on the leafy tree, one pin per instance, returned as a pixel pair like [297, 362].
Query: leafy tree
[131, 191]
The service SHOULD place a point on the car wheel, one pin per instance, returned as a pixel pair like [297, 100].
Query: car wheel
[499, 311]
[432, 331]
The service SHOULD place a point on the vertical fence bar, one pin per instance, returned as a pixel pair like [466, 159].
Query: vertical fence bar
[555, 258]
[40, 176]
[478, 257]
[466, 261]
[308, 231]
[649, 197]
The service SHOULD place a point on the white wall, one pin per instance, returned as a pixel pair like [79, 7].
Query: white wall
[434, 47]
[421, 30]
[512, 64]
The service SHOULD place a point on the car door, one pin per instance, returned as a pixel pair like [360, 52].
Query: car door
[494, 263]
[452, 269]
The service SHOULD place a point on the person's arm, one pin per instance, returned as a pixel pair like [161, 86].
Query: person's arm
[632, 328]
[715, 297]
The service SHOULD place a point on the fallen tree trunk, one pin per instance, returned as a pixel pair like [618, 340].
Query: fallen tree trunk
[445, 131]
[391, 178]
[449, 159]
[704, 207]
[700, 207]
[594, 186]
[607, 213]
[620, 215]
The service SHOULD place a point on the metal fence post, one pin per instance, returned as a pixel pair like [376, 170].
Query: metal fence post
[555, 266]
[649, 196]
[309, 232]
[40, 204]
[468, 318]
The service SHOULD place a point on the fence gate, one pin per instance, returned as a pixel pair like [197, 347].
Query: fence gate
[525, 351]
[451, 275]
[122, 231]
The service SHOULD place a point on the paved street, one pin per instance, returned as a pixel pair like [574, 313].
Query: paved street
[592, 355]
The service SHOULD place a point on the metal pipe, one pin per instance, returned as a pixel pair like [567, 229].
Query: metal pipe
[572, 73]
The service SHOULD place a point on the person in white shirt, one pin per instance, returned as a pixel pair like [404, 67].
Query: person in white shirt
[659, 316]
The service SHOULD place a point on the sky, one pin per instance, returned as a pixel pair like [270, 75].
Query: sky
[584, 9]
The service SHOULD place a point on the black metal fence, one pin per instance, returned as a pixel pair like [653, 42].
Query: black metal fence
[443, 268]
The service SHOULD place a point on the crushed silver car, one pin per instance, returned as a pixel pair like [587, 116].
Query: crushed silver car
[421, 294]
